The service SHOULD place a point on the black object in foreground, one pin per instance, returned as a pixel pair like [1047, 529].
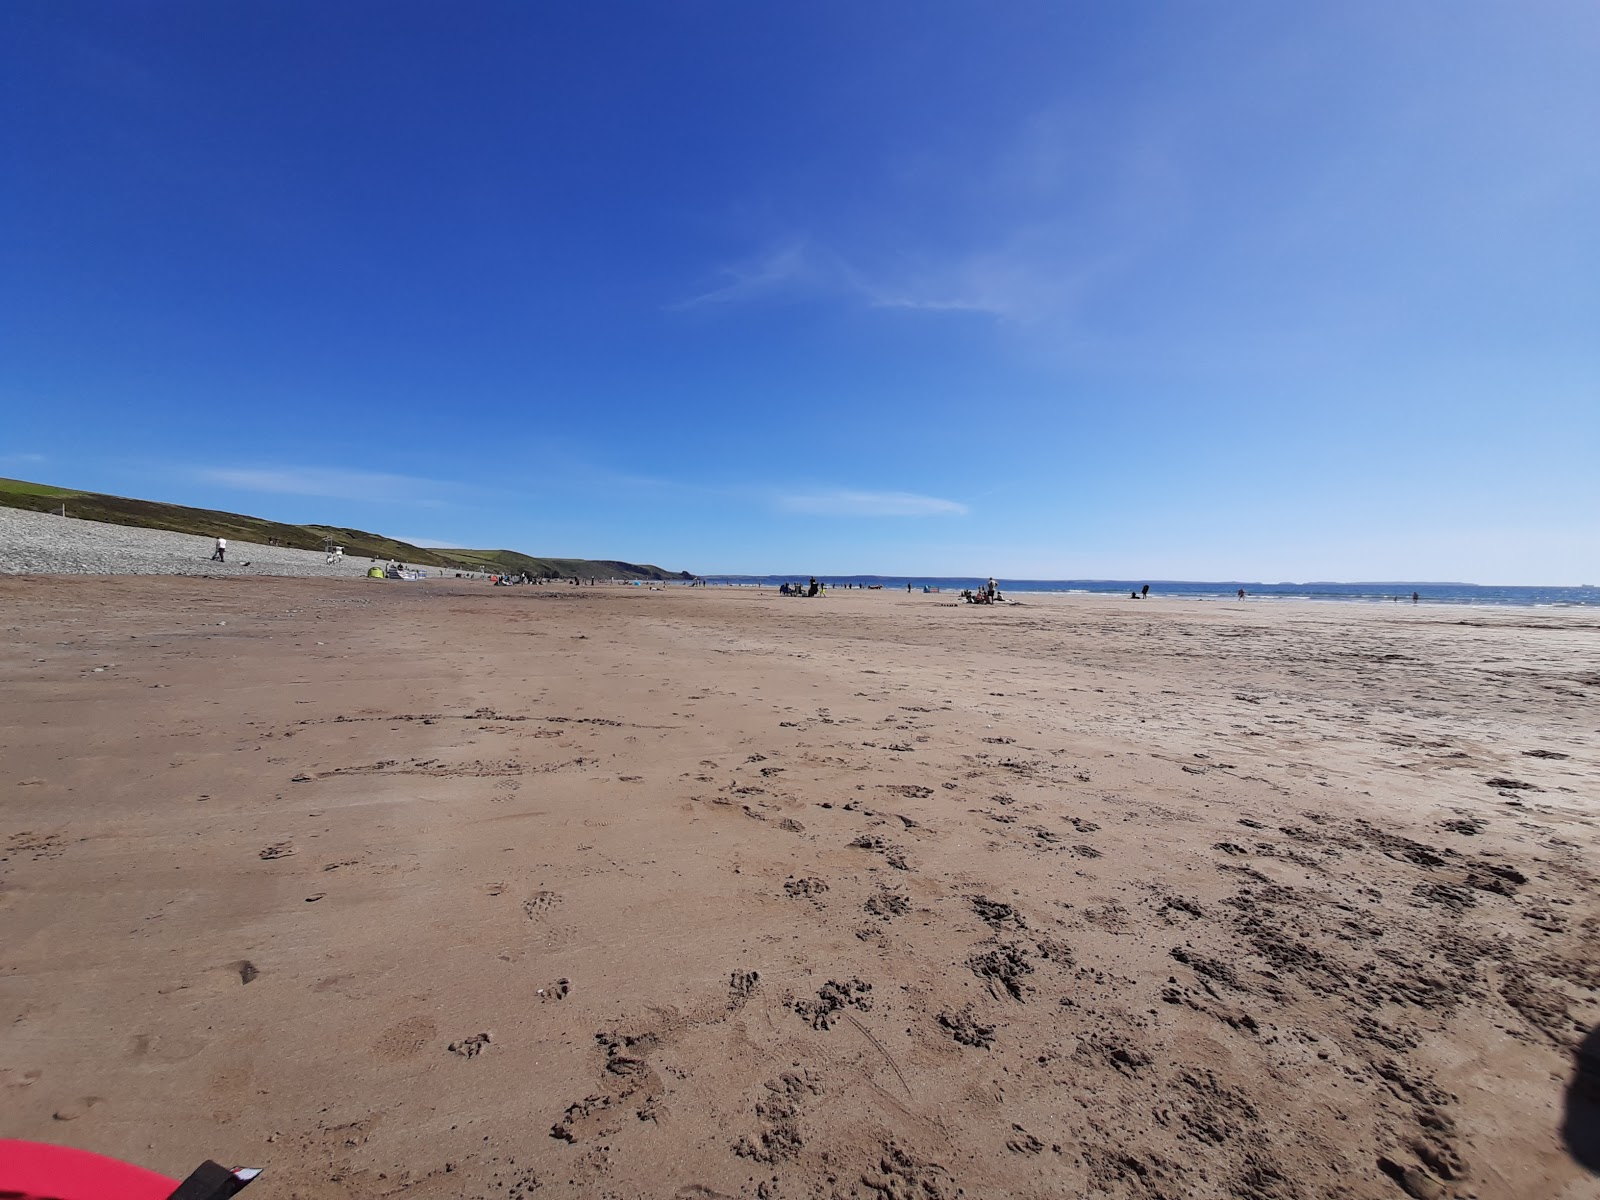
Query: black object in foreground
[1581, 1129]
[213, 1181]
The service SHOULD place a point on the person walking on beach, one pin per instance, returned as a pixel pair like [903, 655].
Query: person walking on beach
[1144, 592]
[1241, 593]
[1416, 597]
[220, 554]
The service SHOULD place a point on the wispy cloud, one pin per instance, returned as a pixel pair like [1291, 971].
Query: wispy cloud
[329, 482]
[22, 460]
[845, 503]
[799, 266]
[1028, 277]
[1057, 211]
[791, 266]
[1031, 277]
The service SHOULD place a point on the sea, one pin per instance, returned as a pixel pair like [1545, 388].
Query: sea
[1355, 593]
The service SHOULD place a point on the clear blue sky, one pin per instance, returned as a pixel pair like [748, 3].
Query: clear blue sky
[1246, 290]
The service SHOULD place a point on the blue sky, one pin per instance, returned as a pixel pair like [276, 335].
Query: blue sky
[1244, 290]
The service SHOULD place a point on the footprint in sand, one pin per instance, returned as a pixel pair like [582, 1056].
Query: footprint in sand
[225, 977]
[14, 1080]
[538, 905]
[405, 1040]
[76, 1108]
[150, 1047]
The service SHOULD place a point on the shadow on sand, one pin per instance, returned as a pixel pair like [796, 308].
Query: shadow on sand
[1581, 1129]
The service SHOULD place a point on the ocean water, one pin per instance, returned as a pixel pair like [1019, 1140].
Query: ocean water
[1370, 593]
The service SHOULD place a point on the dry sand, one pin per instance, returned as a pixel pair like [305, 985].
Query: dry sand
[437, 891]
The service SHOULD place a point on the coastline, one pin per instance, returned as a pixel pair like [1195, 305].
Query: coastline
[1391, 593]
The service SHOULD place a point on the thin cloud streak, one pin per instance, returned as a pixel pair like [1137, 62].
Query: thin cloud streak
[787, 267]
[1030, 278]
[846, 503]
[799, 267]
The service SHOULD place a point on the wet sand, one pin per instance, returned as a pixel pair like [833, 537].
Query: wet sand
[450, 891]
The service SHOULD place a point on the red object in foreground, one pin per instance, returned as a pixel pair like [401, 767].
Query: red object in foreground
[32, 1171]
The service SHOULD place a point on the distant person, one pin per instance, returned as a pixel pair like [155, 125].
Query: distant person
[908, 585]
[1241, 593]
[220, 554]
[1416, 597]
[1144, 592]
[1133, 595]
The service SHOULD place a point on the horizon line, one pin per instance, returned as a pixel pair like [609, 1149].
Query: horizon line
[1153, 581]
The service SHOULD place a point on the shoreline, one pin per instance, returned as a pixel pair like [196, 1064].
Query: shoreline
[953, 594]
[1585, 598]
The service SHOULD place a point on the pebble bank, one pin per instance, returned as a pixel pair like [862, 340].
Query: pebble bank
[34, 543]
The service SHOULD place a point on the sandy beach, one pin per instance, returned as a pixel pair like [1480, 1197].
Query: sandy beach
[441, 890]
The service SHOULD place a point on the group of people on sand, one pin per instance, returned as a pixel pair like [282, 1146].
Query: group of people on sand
[988, 594]
[800, 589]
[518, 578]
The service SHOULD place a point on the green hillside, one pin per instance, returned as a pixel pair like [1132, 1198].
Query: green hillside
[152, 514]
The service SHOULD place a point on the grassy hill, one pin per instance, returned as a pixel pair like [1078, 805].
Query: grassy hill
[152, 514]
